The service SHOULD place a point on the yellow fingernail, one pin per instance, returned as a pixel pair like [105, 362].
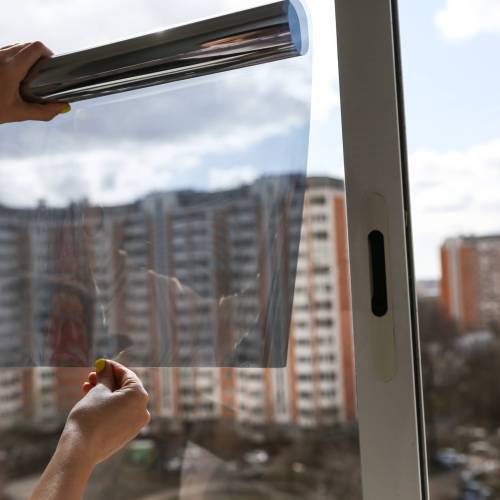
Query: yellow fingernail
[66, 109]
[100, 364]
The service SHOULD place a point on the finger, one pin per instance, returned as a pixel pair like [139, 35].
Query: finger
[92, 378]
[124, 377]
[30, 55]
[6, 47]
[116, 376]
[42, 112]
[86, 387]
[105, 374]
[13, 49]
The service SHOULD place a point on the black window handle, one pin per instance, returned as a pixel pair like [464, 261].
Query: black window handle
[378, 273]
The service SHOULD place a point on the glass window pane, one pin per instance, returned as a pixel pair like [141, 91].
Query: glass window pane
[222, 427]
[451, 90]
[154, 261]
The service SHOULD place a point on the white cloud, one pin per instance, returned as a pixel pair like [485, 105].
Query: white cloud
[453, 193]
[147, 143]
[82, 23]
[77, 166]
[113, 154]
[325, 95]
[70, 25]
[227, 178]
[465, 19]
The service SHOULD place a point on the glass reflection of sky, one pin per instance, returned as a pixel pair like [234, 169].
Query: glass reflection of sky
[160, 252]
[214, 133]
[210, 133]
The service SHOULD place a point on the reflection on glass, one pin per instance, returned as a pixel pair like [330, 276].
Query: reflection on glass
[174, 279]
[173, 227]
[254, 36]
[290, 430]
[141, 259]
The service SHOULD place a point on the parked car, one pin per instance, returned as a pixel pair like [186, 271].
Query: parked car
[471, 488]
[449, 458]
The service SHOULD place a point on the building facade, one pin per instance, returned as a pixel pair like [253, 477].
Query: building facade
[199, 283]
[317, 385]
[470, 283]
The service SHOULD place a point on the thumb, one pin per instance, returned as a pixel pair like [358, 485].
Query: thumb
[42, 112]
[105, 374]
[124, 377]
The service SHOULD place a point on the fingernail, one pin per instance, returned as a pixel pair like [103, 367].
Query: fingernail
[66, 109]
[100, 364]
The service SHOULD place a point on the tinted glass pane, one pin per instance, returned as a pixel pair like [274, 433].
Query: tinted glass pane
[451, 91]
[162, 224]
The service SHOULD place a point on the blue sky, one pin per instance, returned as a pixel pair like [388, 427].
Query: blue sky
[452, 88]
[452, 82]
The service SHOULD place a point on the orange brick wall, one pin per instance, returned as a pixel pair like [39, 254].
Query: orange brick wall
[469, 287]
[343, 284]
[445, 286]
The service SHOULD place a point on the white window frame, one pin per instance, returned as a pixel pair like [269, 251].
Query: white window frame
[389, 388]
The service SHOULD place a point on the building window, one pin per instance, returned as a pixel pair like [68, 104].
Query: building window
[324, 323]
[321, 270]
[320, 235]
[323, 306]
[317, 200]
[319, 218]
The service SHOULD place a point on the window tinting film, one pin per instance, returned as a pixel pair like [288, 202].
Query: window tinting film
[160, 226]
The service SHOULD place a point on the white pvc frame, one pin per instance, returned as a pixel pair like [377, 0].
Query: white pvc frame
[390, 410]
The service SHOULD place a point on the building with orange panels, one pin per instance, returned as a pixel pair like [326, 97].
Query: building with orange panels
[317, 386]
[321, 355]
[470, 281]
[201, 283]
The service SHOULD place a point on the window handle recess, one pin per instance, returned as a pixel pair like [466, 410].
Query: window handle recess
[378, 272]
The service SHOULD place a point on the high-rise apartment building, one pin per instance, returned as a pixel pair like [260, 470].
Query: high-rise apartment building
[321, 365]
[193, 281]
[317, 386]
[11, 397]
[470, 283]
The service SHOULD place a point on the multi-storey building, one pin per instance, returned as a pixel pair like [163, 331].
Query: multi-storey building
[11, 397]
[15, 309]
[201, 283]
[41, 398]
[317, 385]
[232, 255]
[470, 283]
[321, 366]
[12, 321]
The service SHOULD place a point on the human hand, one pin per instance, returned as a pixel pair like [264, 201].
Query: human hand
[112, 412]
[15, 62]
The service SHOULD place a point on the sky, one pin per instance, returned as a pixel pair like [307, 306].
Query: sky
[225, 130]
[452, 79]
